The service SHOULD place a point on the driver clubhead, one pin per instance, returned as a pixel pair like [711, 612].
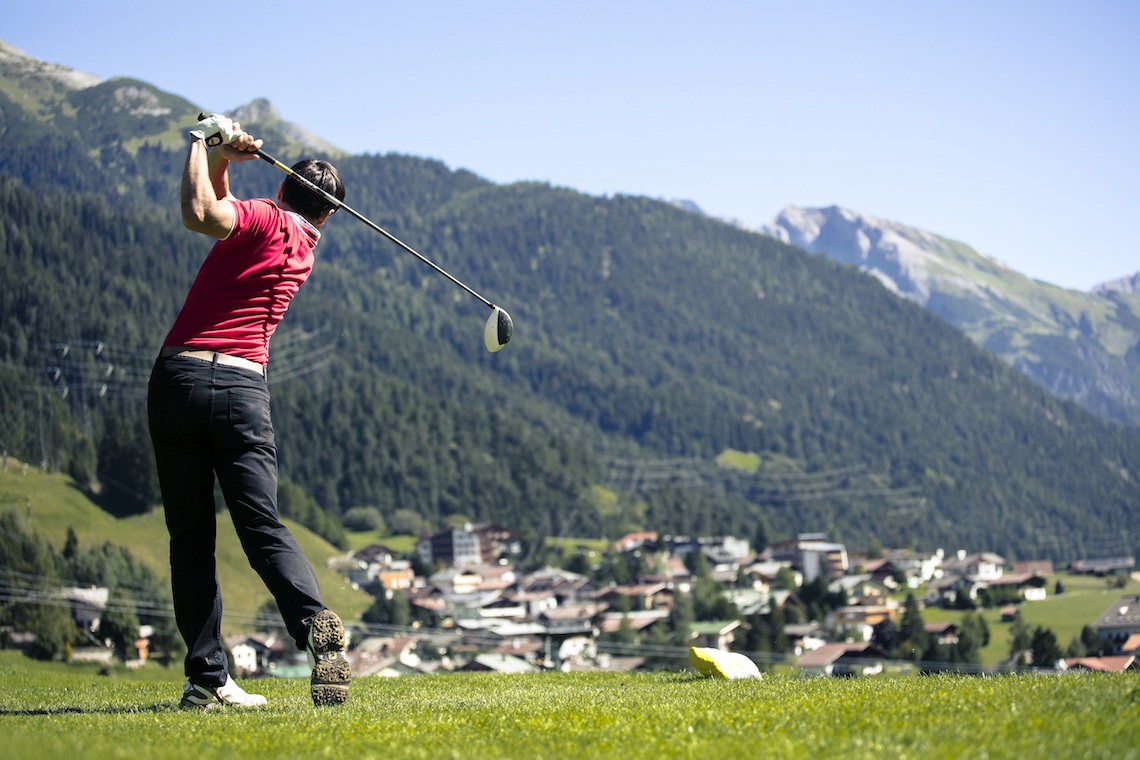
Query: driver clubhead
[498, 330]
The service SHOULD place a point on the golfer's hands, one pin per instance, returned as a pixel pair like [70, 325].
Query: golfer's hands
[226, 137]
[215, 129]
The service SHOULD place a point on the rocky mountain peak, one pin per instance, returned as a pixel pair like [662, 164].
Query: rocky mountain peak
[904, 259]
[262, 113]
[1123, 285]
[15, 64]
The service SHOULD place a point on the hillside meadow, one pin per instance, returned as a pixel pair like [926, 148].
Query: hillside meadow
[50, 503]
[1084, 599]
[53, 710]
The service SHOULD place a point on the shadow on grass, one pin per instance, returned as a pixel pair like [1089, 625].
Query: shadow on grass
[162, 707]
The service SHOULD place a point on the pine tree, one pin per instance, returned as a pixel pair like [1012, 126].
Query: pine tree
[1044, 648]
[912, 630]
[1020, 636]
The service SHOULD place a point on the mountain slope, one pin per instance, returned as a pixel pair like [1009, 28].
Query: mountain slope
[648, 341]
[1081, 346]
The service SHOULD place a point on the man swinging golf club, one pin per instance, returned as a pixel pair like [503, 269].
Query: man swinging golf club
[209, 416]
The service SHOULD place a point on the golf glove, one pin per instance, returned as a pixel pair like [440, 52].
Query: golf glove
[216, 130]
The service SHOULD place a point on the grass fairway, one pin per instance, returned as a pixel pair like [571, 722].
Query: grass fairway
[52, 711]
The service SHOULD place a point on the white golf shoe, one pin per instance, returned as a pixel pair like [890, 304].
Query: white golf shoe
[229, 694]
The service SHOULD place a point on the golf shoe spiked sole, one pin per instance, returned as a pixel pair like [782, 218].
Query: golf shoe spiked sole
[331, 670]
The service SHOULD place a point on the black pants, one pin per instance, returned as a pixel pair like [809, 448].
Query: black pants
[208, 419]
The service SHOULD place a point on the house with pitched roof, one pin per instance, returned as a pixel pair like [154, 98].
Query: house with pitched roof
[1119, 622]
[1111, 664]
[1029, 586]
[1102, 567]
[715, 634]
[843, 659]
[640, 596]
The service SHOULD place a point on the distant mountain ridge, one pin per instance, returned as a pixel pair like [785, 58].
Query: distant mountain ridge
[1122, 285]
[17, 65]
[19, 71]
[1080, 346]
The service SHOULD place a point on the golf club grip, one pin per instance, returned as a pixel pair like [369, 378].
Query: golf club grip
[339, 204]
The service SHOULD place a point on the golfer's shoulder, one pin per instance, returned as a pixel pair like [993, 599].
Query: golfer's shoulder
[257, 214]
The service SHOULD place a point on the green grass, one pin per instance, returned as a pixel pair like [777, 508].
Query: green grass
[359, 539]
[571, 545]
[744, 461]
[56, 711]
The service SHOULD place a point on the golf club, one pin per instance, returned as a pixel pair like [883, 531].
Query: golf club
[499, 327]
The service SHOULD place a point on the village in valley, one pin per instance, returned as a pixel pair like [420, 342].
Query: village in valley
[459, 603]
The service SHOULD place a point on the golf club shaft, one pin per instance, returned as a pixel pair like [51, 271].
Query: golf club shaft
[342, 205]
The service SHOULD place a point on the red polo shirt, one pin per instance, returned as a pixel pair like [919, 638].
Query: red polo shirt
[246, 282]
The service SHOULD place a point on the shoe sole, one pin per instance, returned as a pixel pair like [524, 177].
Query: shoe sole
[332, 672]
[185, 705]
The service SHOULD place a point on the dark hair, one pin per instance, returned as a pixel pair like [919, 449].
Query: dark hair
[303, 199]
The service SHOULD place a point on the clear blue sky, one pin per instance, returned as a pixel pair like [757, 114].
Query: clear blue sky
[1012, 126]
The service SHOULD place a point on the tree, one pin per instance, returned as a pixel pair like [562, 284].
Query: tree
[70, 544]
[657, 641]
[365, 519]
[760, 536]
[624, 633]
[456, 521]
[814, 595]
[698, 565]
[912, 630]
[390, 608]
[875, 549]
[885, 635]
[407, 522]
[710, 602]
[1093, 643]
[776, 622]
[1020, 637]
[1044, 648]
[757, 634]
[975, 626]
[1076, 648]
[119, 623]
[26, 562]
[785, 579]
[579, 563]
[963, 601]
[938, 657]
[973, 634]
[682, 618]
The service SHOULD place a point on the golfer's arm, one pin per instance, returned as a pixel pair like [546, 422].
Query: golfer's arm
[206, 193]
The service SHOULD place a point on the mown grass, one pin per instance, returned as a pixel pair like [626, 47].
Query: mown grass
[56, 711]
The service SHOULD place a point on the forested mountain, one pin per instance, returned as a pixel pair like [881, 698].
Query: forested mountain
[648, 343]
[1080, 346]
